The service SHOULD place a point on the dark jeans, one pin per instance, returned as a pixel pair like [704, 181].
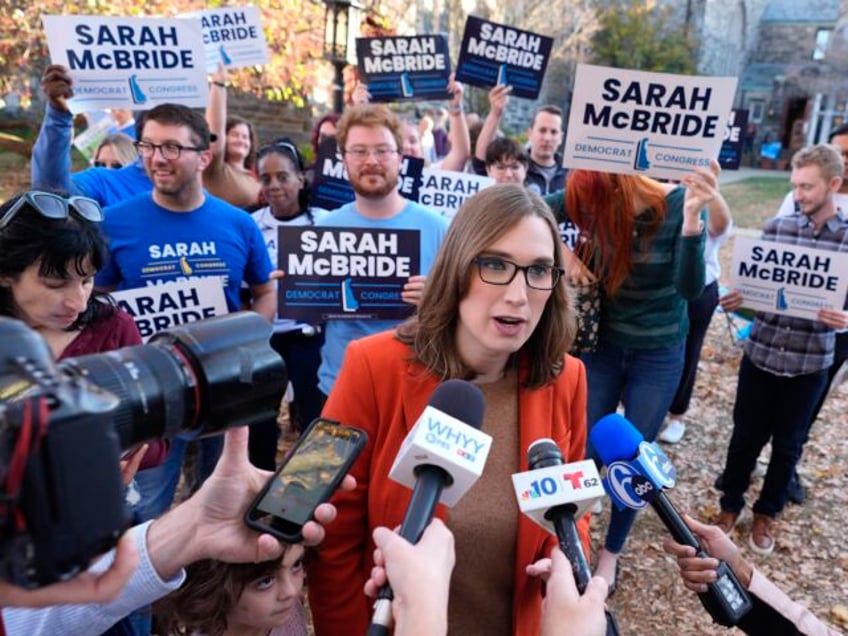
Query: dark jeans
[767, 407]
[700, 311]
[645, 380]
[302, 355]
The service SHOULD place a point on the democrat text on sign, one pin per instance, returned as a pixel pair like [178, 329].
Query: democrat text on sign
[133, 63]
[788, 279]
[635, 122]
[336, 273]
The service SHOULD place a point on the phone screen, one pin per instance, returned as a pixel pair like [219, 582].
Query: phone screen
[311, 473]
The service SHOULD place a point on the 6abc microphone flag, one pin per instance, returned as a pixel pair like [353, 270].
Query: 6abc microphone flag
[637, 473]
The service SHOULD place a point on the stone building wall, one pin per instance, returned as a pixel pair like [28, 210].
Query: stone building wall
[729, 35]
[272, 119]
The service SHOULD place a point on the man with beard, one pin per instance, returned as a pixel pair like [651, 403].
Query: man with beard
[785, 367]
[179, 232]
[839, 138]
[369, 138]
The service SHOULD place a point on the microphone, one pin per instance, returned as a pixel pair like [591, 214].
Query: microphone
[554, 495]
[440, 459]
[637, 473]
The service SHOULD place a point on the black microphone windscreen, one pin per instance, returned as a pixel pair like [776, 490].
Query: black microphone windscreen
[460, 399]
[543, 453]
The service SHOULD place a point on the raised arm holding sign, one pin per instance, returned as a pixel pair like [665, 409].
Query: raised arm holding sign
[123, 62]
[493, 54]
[404, 67]
[636, 122]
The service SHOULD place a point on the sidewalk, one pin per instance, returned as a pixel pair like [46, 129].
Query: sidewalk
[745, 172]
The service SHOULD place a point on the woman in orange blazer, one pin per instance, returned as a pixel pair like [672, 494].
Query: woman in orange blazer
[495, 311]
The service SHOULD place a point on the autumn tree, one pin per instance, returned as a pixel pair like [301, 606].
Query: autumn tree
[640, 34]
[293, 29]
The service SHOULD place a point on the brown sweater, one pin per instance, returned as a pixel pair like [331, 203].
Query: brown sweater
[485, 526]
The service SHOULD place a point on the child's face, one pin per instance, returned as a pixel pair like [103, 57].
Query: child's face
[267, 601]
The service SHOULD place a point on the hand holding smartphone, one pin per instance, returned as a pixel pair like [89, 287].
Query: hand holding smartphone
[308, 476]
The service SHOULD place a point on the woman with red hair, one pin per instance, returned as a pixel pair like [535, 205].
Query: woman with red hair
[643, 242]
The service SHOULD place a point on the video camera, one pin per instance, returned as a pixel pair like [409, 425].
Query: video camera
[63, 426]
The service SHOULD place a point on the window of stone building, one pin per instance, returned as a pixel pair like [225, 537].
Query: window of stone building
[822, 38]
[756, 107]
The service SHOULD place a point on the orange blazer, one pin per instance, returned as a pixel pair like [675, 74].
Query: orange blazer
[381, 391]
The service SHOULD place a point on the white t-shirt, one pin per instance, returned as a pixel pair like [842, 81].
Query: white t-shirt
[268, 225]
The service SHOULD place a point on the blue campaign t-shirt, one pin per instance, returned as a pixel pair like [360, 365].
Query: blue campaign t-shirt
[110, 187]
[149, 244]
[433, 227]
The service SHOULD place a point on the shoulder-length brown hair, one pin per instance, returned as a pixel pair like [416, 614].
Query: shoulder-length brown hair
[482, 220]
[605, 206]
[211, 591]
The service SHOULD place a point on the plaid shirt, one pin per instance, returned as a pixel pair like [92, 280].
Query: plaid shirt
[785, 345]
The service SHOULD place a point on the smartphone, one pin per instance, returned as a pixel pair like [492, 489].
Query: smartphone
[308, 476]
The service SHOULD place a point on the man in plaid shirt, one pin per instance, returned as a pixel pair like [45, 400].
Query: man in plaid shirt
[784, 370]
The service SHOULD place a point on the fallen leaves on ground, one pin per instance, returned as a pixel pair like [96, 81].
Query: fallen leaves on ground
[810, 562]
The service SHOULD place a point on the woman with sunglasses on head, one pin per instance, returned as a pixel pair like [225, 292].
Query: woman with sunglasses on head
[495, 312]
[115, 151]
[50, 249]
[230, 175]
[285, 190]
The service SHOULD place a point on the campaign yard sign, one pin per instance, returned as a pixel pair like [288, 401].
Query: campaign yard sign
[637, 122]
[99, 125]
[331, 188]
[492, 54]
[163, 306]
[121, 62]
[788, 279]
[733, 145]
[233, 36]
[336, 273]
[445, 191]
[404, 67]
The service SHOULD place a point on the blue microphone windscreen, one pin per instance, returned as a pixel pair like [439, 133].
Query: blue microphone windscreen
[615, 438]
[460, 399]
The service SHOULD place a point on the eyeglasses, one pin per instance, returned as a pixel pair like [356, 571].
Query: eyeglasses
[503, 167]
[169, 150]
[54, 206]
[381, 153]
[499, 271]
[110, 164]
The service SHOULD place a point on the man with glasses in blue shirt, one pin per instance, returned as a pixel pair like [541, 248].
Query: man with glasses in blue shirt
[180, 232]
[369, 137]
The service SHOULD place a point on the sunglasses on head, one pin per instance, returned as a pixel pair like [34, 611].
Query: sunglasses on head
[54, 206]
